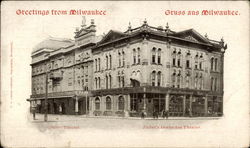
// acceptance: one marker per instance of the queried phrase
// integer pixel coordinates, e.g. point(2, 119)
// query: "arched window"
point(110, 62)
point(201, 81)
point(196, 81)
point(138, 55)
point(99, 64)
point(96, 65)
point(123, 59)
point(159, 56)
point(215, 84)
point(159, 78)
point(122, 81)
point(215, 64)
point(119, 59)
point(107, 62)
point(134, 56)
point(121, 103)
point(108, 103)
point(107, 82)
point(212, 64)
point(96, 83)
point(179, 80)
point(153, 78)
point(97, 103)
point(173, 78)
point(153, 55)
point(110, 81)
point(212, 83)
point(99, 82)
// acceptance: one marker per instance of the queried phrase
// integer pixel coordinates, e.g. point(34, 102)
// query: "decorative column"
point(167, 102)
point(205, 105)
point(128, 103)
point(184, 104)
point(190, 105)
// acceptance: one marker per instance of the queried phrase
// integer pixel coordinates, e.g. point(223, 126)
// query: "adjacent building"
point(144, 69)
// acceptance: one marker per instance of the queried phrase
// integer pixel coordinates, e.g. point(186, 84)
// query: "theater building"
point(147, 68)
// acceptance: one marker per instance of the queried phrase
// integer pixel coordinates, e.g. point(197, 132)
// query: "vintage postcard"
point(125, 74)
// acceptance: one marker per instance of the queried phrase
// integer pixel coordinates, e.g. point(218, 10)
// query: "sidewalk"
point(63, 118)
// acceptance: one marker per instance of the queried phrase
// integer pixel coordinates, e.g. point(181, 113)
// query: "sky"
point(25, 31)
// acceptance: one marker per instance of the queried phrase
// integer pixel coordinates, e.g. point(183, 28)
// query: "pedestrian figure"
point(60, 109)
point(190, 112)
point(33, 109)
point(142, 115)
point(154, 114)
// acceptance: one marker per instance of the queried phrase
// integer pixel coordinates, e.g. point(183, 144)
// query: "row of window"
point(108, 103)
point(136, 56)
point(156, 76)
point(156, 53)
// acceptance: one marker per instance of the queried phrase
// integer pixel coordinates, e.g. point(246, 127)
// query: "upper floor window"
point(138, 55)
point(153, 55)
point(110, 62)
point(134, 56)
point(159, 56)
point(110, 81)
point(212, 63)
point(96, 65)
point(159, 78)
point(107, 81)
point(123, 58)
point(99, 82)
point(119, 59)
point(153, 78)
point(99, 64)
point(107, 62)
point(215, 64)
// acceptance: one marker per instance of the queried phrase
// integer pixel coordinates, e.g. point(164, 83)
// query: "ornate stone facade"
point(145, 69)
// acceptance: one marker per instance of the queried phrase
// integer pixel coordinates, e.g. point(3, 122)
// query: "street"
point(112, 123)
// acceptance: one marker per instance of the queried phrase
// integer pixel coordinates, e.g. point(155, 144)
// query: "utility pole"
point(46, 97)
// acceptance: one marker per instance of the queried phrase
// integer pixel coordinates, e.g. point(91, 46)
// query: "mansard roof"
point(52, 44)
